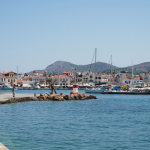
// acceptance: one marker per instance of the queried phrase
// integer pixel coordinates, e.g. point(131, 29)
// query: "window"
point(14, 80)
point(8, 80)
point(61, 79)
point(4, 79)
point(66, 79)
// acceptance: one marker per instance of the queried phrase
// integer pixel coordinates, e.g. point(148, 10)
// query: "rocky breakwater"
point(48, 97)
point(62, 97)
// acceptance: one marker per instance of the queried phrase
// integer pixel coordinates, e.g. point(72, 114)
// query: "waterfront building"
point(62, 80)
point(2, 79)
point(134, 81)
point(20, 77)
point(145, 77)
point(39, 79)
point(11, 77)
point(101, 79)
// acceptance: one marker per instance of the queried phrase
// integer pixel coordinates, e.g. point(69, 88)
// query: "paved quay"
point(7, 96)
point(2, 147)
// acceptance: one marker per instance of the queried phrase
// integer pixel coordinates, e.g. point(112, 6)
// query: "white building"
point(134, 81)
point(2, 79)
point(39, 79)
point(20, 77)
point(62, 80)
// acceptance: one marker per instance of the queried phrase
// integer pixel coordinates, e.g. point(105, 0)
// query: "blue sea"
point(111, 122)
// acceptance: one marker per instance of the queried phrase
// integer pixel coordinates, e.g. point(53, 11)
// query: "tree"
point(25, 74)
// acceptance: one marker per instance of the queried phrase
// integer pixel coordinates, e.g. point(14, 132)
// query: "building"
point(145, 77)
point(11, 77)
point(39, 79)
point(35, 73)
point(134, 81)
point(2, 79)
point(62, 80)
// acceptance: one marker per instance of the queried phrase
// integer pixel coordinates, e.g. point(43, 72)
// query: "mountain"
point(145, 66)
point(63, 66)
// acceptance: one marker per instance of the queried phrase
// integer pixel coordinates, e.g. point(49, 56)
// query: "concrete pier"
point(2, 147)
point(6, 98)
point(126, 92)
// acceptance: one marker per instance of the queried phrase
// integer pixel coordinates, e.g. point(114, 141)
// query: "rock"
point(85, 95)
point(73, 92)
point(92, 97)
point(66, 97)
point(42, 97)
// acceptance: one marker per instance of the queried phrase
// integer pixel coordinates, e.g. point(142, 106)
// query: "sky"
point(37, 33)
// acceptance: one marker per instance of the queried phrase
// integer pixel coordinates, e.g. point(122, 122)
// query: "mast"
point(132, 74)
point(17, 73)
point(95, 64)
point(111, 68)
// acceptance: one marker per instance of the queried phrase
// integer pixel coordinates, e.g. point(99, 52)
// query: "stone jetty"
point(7, 97)
point(62, 97)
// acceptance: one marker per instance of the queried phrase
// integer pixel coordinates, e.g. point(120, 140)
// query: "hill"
point(145, 66)
point(63, 66)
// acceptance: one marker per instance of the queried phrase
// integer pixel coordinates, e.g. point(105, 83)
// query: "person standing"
point(13, 90)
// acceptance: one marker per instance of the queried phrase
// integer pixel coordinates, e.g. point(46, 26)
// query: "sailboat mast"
point(132, 72)
point(95, 64)
point(111, 65)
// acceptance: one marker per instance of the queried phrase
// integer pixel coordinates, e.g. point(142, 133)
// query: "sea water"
point(111, 122)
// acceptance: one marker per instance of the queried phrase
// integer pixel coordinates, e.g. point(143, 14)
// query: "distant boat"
point(6, 87)
point(37, 87)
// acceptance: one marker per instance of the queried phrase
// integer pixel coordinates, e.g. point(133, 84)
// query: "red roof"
point(137, 78)
point(126, 79)
point(60, 76)
point(7, 72)
point(38, 76)
point(1, 75)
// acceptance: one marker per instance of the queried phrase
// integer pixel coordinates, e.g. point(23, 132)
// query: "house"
point(25, 80)
point(62, 80)
point(2, 79)
point(39, 79)
point(128, 81)
point(35, 73)
point(145, 77)
point(11, 77)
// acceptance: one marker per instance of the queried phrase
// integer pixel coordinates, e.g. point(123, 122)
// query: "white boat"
point(6, 87)
point(26, 87)
point(97, 90)
point(37, 87)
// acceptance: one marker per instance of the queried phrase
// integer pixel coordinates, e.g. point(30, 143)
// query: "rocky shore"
point(46, 97)
point(62, 97)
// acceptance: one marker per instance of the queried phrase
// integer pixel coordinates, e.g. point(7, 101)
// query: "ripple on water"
point(110, 122)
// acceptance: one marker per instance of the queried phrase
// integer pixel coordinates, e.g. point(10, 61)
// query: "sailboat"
point(96, 89)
